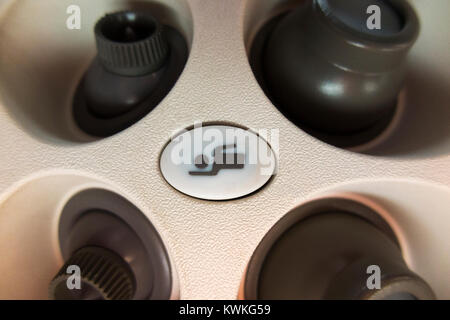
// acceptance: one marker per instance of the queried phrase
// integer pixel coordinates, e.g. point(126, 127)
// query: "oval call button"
point(218, 162)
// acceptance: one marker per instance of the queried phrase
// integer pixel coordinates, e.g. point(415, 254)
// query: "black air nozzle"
point(130, 43)
point(334, 67)
point(138, 62)
point(332, 249)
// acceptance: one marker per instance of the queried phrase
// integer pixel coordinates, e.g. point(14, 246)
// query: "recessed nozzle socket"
point(112, 248)
point(331, 249)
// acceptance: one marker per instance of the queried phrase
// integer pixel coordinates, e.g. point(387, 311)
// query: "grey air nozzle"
point(131, 43)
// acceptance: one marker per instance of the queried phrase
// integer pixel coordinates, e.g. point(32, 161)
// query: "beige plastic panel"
point(211, 242)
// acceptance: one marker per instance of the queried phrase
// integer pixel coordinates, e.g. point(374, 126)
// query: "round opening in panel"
point(85, 242)
point(349, 72)
point(331, 248)
point(94, 68)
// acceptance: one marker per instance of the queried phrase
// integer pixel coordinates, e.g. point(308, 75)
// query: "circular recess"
point(49, 238)
point(337, 82)
point(323, 250)
point(42, 64)
point(101, 218)
point(218, 162)
point(413, 123)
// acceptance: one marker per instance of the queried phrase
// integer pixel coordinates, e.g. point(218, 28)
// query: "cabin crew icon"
point(217, 162)
point(222, 160)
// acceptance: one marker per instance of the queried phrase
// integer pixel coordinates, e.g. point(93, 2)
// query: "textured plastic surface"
point(210, 242)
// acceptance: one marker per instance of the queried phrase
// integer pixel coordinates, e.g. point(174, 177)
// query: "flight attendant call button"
point(218, 162)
